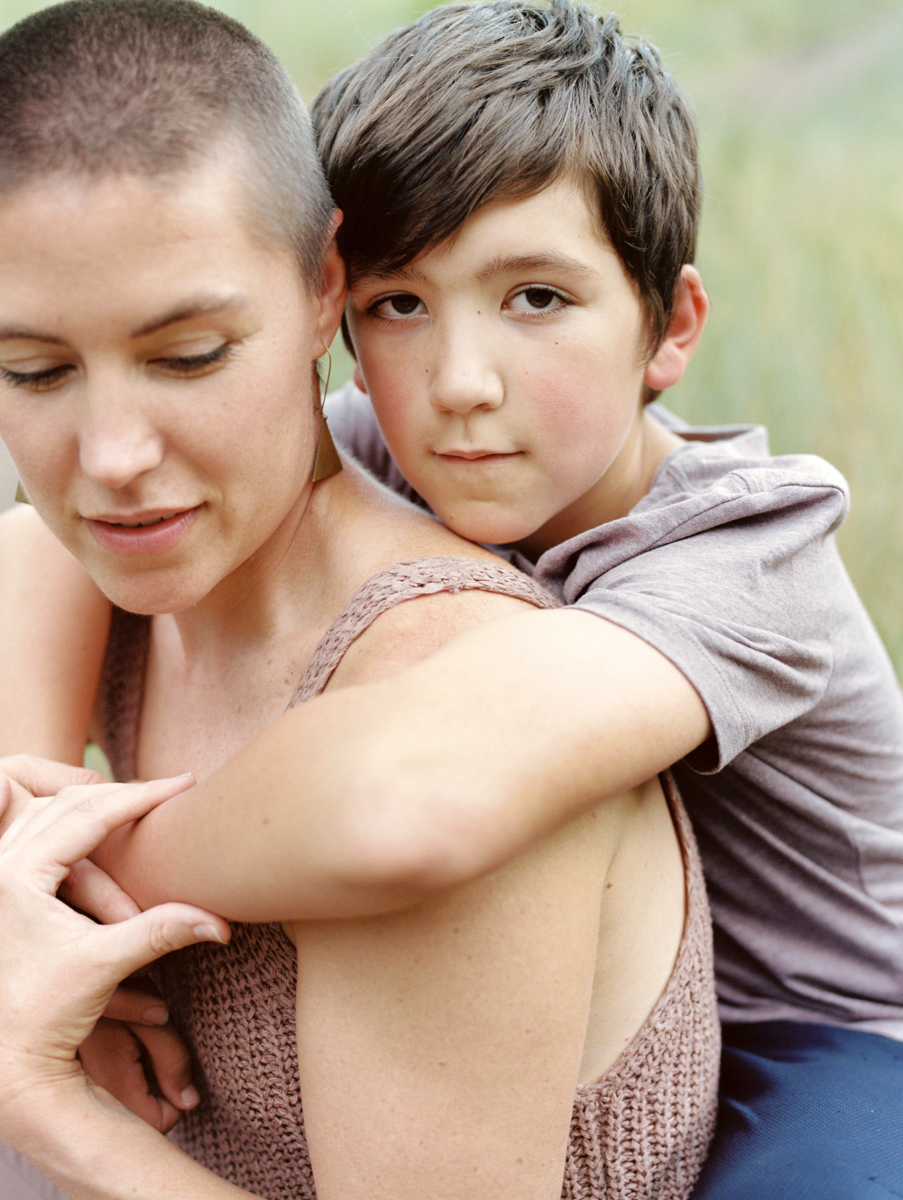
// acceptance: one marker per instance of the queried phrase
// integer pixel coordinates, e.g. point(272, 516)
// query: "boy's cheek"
point(358, 379)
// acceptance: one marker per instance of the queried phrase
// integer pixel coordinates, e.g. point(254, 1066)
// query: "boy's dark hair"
point(497, 100)
point(151, 87)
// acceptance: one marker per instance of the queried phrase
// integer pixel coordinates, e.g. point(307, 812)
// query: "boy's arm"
point(382, 794)
point(390, 791)
point(54, 624)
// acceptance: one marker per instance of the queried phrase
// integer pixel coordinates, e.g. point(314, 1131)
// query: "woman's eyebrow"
point(19, 333)
point(196, 306)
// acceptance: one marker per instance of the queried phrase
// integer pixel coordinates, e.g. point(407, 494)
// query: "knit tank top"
point(641, 1132)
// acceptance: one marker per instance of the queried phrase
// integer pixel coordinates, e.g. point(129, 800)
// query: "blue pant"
point(807, 1112)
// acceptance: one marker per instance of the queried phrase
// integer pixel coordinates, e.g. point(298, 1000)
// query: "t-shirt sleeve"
point(734, 586)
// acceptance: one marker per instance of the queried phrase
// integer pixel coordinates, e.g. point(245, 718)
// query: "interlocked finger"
point(90, 889)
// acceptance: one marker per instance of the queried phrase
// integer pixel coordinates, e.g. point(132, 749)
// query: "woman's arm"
point(57, 972)
point(53, 632)
point(90, 1151)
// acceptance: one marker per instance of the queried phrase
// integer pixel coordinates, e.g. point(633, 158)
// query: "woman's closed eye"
point(37, 381)
point(187, 365)
point(537, 298)
point(193, 364)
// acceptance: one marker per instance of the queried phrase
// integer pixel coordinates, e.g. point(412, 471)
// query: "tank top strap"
point(406, 581)
point(122, 685)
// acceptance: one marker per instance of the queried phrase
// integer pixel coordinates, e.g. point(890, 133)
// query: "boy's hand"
point(146, 1068)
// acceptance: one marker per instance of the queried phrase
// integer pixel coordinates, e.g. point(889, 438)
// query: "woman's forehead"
point(189, 234)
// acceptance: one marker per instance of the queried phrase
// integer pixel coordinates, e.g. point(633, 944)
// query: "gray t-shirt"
point(728, 566)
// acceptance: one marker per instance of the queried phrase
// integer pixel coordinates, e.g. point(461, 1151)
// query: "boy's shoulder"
point(721, 486)
point(733, 456)
point(723, 481)
point(727, 566)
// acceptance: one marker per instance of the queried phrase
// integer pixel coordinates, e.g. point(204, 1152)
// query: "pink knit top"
point(641, 1132)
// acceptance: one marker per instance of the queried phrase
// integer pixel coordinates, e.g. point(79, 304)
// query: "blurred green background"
point(801, 112)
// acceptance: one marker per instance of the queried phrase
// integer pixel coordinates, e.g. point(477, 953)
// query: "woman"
point(167, 287)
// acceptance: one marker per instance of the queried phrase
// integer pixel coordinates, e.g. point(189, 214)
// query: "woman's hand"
point(24, 777)
point(27, 784)
point(58, 969)
point(136, 1053)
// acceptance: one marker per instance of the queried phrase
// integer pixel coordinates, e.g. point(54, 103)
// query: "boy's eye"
point(37, 381)
point(193, 364)
point(401, 304)
point(537, 299)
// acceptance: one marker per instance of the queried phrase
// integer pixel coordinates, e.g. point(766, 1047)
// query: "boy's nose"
point(465, 376)
point(117, 441)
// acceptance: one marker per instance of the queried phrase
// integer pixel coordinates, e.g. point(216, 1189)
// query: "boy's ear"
point(333, 290)
point(691, 307)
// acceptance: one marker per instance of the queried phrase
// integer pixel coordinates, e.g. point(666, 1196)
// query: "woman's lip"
point(134, 539)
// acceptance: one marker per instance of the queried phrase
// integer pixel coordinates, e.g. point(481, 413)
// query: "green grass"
point(800, 248)
point(802, 121)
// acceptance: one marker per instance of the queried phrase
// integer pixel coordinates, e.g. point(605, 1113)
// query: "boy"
point(499, 140)
point(520, 197)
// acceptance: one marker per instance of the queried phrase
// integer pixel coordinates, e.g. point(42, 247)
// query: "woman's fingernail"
point(157, 1014)
point(209, 933)
point(190, 1097)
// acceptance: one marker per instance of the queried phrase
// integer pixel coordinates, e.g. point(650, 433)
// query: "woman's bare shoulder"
point(388, 528)
point(414, 629)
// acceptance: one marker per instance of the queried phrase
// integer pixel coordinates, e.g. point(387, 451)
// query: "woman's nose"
point(117, 441)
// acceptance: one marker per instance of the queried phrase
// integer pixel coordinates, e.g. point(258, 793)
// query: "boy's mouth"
point(477, 455)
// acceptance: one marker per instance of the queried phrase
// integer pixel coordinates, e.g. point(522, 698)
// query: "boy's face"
point(506, 370)
point(156, 372)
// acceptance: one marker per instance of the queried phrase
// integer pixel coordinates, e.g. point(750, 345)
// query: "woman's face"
point(156, 378)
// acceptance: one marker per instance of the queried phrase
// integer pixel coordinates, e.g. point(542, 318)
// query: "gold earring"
point(21, 498)
point(326, 461)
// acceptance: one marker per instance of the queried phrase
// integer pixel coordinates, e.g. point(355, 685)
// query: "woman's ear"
point(691, 307)
point(333, 290)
